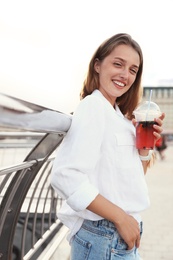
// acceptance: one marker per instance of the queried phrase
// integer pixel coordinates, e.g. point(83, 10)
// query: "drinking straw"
point(148, 108)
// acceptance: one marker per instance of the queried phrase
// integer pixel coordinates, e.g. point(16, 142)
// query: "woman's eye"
point(134, 71)
point(117, 64)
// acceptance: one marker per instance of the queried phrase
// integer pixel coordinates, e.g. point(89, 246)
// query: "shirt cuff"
point(81, 199)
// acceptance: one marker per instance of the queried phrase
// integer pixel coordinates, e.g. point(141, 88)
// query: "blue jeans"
point(99, 240)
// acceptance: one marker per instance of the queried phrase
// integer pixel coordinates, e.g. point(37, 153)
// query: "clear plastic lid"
point(147, 111)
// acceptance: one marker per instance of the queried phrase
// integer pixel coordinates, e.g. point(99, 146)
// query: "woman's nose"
point(124, 73)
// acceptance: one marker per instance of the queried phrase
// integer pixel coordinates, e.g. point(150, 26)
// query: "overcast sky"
point(45, 46)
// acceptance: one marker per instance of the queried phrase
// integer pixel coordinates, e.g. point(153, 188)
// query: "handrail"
point(26, 116)
point(19, 135)
point(21, 166)
point(17, 167)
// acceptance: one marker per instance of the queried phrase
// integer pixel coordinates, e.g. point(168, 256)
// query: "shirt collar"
point(96, 92)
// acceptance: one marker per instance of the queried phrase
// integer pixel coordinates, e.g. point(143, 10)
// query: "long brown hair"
point(129, 100)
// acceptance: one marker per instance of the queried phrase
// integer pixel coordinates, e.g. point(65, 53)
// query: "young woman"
point(98, 170)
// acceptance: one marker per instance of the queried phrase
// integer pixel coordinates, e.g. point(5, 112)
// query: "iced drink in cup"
point(145, 115)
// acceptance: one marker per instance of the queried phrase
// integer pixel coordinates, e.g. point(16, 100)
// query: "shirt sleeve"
point(78, 155)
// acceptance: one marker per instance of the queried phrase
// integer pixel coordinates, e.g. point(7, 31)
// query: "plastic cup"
point(145, 115)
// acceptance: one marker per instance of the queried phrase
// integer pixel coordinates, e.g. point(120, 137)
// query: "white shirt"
point(98, 156)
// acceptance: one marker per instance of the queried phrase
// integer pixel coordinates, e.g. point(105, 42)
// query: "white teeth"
point(119, 83)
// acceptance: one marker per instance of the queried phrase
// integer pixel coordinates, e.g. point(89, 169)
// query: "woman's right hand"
point(128, 229)
point(126, 225)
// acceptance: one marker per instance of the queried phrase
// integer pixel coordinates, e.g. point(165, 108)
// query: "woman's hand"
point(129, 230)
point(126, 225)
point(158, 127)
point(157, 135)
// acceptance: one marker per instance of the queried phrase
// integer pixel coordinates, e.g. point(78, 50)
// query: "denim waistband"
point(104, 222)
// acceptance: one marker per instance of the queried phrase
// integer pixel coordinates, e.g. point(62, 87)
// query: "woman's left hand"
point(158, 127)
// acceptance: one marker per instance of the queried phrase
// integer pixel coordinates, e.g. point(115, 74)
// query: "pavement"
point(157, 238)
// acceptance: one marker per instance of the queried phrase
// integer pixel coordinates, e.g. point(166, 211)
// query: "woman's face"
point(117, 72)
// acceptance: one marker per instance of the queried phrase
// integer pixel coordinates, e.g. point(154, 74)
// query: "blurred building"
point(163, 96)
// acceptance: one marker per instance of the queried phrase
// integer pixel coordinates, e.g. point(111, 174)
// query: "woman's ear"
point(97, 65)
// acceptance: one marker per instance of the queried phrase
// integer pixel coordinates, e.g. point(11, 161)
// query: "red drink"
point(144, 135)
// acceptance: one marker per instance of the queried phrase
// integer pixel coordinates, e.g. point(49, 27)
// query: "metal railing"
point(28, 204)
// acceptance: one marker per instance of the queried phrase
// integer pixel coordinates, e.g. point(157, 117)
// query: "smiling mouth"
point(120, 84)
